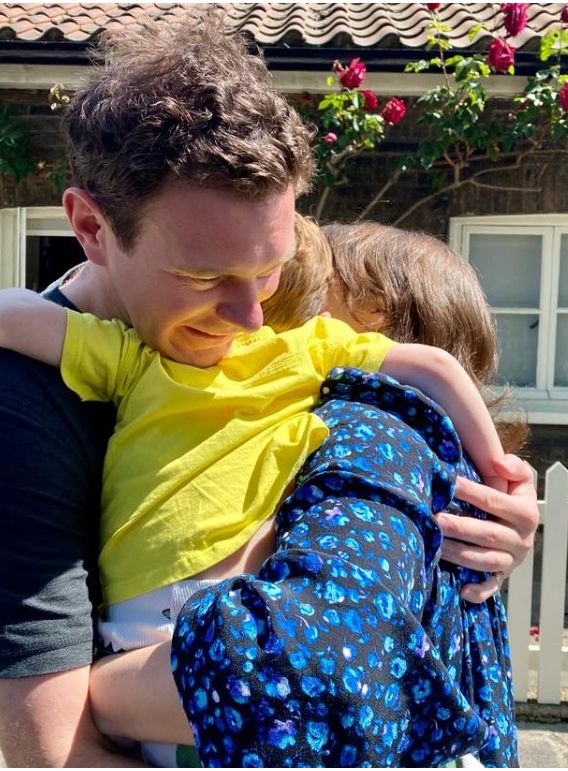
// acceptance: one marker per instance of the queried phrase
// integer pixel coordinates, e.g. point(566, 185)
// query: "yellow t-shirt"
point(200, 457)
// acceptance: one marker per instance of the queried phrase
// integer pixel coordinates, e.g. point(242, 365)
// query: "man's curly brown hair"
point(181, 100)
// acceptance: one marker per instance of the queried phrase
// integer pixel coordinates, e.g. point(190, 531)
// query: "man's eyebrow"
point(211, 273)
point(196, 272)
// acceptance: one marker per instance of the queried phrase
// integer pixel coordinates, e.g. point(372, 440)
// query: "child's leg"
point(322, 660)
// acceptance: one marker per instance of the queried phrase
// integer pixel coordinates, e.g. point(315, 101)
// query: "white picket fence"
point(548, 656)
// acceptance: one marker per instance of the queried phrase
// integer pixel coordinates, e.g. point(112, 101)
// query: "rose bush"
point(464, 136)
point(348, 123)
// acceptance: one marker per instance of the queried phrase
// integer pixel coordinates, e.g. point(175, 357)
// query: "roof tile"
point(317, 24)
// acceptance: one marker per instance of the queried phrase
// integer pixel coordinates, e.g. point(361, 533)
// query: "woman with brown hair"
point(415, 289)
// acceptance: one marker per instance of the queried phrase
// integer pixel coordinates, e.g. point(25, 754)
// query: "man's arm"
point(45, 722)
point(51, 453)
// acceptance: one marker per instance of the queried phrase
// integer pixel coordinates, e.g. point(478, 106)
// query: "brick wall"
point(541, 182)
point(47, 144)
point(365, 175)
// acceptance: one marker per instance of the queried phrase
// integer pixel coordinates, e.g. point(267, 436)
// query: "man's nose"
point(243, 310)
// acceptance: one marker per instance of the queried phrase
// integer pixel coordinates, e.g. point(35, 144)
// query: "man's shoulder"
point(34, 394)
point(34, 389)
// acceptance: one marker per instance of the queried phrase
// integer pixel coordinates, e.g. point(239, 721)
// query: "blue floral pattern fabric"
point(352, 648)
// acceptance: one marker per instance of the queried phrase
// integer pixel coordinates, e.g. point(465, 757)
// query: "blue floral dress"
point(352, 648)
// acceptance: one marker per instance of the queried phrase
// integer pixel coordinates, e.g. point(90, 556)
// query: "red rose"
point(330, 138)
point(563, 97)
point(394, 111)
point(515, 17)
point(354, 75)
point(371, 101)
point(564, 15)
point(433, 6)
point(501, 55)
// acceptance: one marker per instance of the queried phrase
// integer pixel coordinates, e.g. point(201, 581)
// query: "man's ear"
point(88, 223)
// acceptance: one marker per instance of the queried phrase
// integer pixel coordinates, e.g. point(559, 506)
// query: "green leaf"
point(474, 32)
point(330, 81)
point(462, 70)
point(419, 66)
point(325, 103)
point(440, 27)
point(554, 42)
point(432, 41)
point(357, 99)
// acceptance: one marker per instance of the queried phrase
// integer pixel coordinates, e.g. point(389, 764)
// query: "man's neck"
point(89, 290)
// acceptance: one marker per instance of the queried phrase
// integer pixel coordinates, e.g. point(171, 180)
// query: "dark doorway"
point(48, 257)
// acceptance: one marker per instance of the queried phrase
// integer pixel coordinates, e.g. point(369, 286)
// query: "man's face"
point(203, 262)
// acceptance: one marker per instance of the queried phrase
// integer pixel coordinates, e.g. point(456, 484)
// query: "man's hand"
point(45, 722)
point(499, 544)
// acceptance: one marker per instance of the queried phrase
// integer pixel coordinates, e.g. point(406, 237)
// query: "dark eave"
point(289, 58)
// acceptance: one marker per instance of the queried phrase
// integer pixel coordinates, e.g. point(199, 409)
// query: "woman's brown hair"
point(415, 289)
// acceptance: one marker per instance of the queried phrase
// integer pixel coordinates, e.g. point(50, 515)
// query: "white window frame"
point(15, 226)
point(545, 403)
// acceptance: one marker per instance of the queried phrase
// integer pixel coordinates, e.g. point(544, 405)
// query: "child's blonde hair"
point(304, 284)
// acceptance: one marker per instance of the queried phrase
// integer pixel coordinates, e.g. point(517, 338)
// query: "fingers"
point(518, 507)
point(480, 592)
point(499, 544)
point(480, 540)
point(486, 533)
point(514, 469)
point(478, 557)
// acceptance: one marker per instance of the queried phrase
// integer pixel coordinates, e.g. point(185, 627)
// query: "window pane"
point(517, 338)
point(509, 267)
point(563, 288)
point(561, 363)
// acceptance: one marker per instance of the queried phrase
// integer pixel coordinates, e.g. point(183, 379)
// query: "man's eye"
point(203, 283)
point(270, 272)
